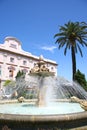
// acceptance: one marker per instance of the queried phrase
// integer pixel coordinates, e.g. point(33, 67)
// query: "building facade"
point(13, 58)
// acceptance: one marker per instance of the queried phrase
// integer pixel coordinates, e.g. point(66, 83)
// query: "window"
point(12, 59)
point(13, 46)
point(10, 73)
point(24, 62)
point(11, 70)
point(52, 68)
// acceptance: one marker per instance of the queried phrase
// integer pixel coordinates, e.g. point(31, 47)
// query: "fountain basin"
point(31, 108)
point(40, 114)
point(47, 121)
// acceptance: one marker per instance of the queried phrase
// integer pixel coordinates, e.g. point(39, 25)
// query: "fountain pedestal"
point(41, 97)
point(41, 70)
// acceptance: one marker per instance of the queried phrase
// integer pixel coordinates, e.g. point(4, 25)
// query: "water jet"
point(52, 109)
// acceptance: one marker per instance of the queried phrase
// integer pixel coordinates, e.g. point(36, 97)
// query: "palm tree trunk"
point(73, 63)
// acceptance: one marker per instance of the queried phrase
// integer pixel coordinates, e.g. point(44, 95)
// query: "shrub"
point(80, 78)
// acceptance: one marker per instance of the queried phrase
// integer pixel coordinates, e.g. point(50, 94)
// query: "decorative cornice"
point(11, 64)
point(24, 67)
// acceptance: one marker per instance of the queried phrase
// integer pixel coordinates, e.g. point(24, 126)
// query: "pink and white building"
point(13, 58)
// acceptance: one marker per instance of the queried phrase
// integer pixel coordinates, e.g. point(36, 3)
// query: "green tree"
point(20, 74)
point(80, 78)
point(72, 36)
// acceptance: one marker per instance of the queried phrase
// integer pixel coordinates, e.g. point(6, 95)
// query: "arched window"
point(11, 71)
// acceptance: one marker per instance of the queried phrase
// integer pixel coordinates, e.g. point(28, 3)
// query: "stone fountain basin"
point(41, 122)
point(47, 122)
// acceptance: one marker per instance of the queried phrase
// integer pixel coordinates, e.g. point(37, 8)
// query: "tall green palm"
point(72, 36)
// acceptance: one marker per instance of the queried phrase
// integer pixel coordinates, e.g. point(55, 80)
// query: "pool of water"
point(30, 109)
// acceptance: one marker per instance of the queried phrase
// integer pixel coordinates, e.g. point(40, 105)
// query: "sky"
point(35, 22)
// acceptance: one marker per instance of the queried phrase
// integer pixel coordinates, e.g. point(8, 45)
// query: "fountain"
point(55, 105)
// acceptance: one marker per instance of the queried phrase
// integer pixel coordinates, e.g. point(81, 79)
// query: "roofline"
point(31, 56)
point(12, 38)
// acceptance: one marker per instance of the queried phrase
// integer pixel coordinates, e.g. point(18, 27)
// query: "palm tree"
point(72, 36)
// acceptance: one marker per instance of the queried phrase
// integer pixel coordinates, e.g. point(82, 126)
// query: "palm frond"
point(65, 50)
point(85, 43)
point(80, 50)
point(75, 48)
point(67, 47)
point(72, 32)
point(60, 34)
point(61, 45)
point(62, 28)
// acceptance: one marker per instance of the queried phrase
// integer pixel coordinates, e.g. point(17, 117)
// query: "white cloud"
point(51, 48)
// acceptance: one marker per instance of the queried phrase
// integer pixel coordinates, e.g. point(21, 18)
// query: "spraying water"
point(48, 88)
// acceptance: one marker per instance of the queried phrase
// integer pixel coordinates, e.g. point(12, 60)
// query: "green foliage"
point(31, 96)
point(23, 94)
point(72, 34)
point(7, 82)
point(27, 94)
point(20, 74)
point(80, 78)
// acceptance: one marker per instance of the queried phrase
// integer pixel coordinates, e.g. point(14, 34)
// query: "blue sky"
point(35, 22)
